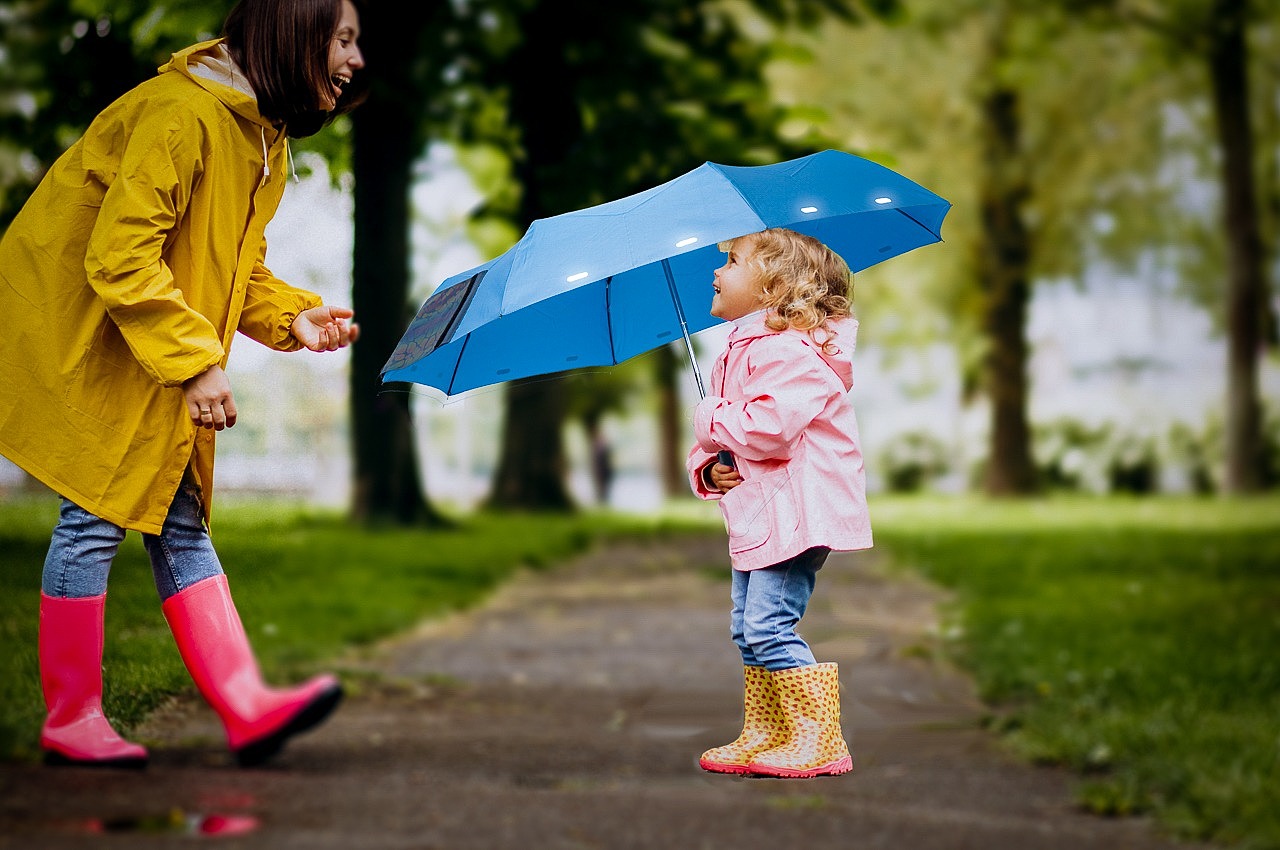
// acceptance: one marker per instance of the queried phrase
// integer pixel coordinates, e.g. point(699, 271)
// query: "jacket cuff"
point(698, 465)
point(703, 416)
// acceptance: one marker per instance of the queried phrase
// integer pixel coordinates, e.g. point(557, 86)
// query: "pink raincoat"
point(782, 408)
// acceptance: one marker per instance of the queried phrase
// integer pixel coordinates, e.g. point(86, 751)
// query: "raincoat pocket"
point(103, 383)
point(760, 509)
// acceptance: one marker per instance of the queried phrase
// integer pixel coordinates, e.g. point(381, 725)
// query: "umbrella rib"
point(922, 225)
point(608, 317)
point(462, 306)
point(457, 364)
point(745, 200)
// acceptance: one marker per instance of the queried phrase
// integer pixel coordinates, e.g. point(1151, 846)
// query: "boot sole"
point(259, 751)
point(56, 759)
point(835, 768)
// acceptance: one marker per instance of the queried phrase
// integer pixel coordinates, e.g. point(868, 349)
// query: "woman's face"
point(344, 55)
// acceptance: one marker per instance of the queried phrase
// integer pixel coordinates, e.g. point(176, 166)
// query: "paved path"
point(569, 712)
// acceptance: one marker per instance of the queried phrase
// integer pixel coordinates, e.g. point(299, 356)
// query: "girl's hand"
point(325, 328)
point(725, 478)
point(209, 400)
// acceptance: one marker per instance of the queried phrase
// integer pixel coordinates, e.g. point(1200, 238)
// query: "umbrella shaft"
point(684, 328)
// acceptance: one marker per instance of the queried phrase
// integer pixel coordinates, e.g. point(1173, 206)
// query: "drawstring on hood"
point(288, 151)
point(266, 169)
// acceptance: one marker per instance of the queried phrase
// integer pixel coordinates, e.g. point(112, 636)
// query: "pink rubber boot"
point(70, 646)
point(215, 648)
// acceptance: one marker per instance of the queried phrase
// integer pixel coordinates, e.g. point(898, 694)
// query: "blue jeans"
point(84, 546)
point(767, 606)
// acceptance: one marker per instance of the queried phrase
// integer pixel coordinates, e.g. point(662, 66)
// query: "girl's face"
point(344, 55)
point(737, 288)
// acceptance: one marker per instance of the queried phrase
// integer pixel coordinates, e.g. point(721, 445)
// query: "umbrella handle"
point(726, 458)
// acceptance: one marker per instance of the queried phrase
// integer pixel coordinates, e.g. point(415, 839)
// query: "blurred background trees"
point(1118, 135)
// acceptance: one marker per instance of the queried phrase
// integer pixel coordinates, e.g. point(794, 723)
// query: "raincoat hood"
point(210, 66)
point(837, 353)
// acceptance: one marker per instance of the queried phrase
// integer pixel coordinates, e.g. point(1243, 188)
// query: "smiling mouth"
point(340, 82)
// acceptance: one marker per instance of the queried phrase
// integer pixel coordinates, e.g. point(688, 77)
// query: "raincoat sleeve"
point(697, 462)
point(784, 388)
point(271, 305)
point(146, 198)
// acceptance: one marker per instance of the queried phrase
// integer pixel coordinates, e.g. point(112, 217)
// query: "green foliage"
point(912, 461)
point(1133, 641)
point(1075, 456)
point(308, 586)
point(553, 85)
point(1200, 451)
point(921, 78)
point(66, 60)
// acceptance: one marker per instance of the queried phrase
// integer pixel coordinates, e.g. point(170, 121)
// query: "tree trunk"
point(1003, 264)
point(1228, 64)
point(531, 468)
point(387, 486)
point(531, 465)
point(671, 453)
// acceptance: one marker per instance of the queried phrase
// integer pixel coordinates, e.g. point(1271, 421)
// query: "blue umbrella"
point(603, 284)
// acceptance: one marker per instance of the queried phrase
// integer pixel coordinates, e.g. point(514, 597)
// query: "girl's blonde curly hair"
point(803, 282)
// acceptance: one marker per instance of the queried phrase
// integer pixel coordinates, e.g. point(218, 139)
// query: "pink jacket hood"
point(781, 406)
point(838, 353)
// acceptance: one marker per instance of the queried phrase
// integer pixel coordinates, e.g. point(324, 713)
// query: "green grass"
point(308, 585)
point(1135, 641)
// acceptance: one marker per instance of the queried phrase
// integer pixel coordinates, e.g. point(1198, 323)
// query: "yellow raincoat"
point(128, 271)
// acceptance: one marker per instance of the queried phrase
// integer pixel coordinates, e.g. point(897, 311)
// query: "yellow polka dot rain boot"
point(810, 700)
point(763, 725)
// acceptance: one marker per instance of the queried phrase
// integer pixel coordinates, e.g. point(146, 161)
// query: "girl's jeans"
point(84, 546)
point(767, 606)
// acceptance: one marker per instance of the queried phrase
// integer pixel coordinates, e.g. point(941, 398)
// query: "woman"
point(124, 279)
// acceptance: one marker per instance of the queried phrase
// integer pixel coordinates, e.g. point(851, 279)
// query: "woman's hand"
point(725, 477)
point(209, 400)
point(325, 328)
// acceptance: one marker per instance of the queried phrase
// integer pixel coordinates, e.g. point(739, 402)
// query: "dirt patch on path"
point(569, 712)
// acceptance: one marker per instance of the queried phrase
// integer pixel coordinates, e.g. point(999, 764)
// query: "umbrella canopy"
point(603, 284)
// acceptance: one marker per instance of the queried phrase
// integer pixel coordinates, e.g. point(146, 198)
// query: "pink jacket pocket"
point(760, 510)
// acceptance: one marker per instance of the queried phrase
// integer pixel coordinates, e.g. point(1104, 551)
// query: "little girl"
point(794, 491)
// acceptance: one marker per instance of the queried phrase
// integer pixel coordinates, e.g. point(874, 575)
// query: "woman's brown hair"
point(282, 46)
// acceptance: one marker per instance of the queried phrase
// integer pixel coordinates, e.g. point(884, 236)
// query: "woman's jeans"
point(84, 546)
point(767, 606)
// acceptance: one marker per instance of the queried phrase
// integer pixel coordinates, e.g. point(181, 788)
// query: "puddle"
point(176, 822)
